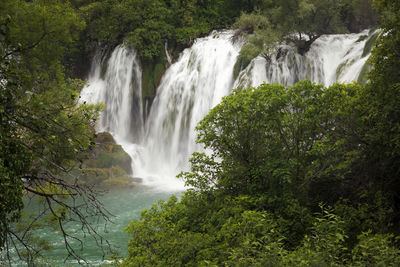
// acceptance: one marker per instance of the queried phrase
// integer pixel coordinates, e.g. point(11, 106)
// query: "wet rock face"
point(108, 154)
point(105, 138)
point(108, 164)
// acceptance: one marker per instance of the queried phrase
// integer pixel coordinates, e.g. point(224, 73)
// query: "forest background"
point(314, 180)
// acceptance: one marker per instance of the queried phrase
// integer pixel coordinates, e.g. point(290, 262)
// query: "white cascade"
point(196, 82)
point(119, 89)
point(331, 58)
point(191, 86)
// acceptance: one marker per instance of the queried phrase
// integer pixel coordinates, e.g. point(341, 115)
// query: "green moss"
point(152, 74)
point(94, 175)
point(241, 63)
point(361, 38)
point(103, 70)
point(246, 55)
point(105, 137)
point(372, 30)
point(107, 160)
point(104, 176)
point(105, 147)
point(340, 69)
point(362, 78)
point(108, 154)
point(369, 44)
point(118, 182)
point(118, 171)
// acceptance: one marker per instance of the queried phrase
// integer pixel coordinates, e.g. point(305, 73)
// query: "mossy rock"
point(340, 69)
point(362, 38)
point(108, 165)
point(153, 70)
point(99, 175)
point(105, 137)
point(370, 42)
point(108, 154)
point(241, 63)
point(363, 76)
point(105, 147)
point(94, 175)
point(109, 160)
point(117, 182)
point(246, 55)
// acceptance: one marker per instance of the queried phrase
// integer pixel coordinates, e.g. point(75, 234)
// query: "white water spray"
point(331, 58)
point(120, 90)
point(189, 89)
point(194, 84)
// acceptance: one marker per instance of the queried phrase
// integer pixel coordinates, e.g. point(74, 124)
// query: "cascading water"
point(120, 90)
point(189, 89)
point(331, 58)
point(196, 82)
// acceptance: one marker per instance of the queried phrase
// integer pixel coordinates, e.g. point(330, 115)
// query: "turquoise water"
point(125, 204)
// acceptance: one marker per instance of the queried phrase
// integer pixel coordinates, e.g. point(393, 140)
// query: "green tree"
point(269, 138)
point(302, 21)
point(359, 15)
point(274, 154)
point(44, 133)
point(380, 107)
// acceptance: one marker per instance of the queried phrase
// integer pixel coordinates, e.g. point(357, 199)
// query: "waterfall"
point(189, 89)
point(161, 146)
point(119, 89)
point(331, 58)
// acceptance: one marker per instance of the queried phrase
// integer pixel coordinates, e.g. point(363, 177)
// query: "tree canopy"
point(300, 23)
point(147, 24)
point(276, 152)
point(293, 175)
point(44, 133)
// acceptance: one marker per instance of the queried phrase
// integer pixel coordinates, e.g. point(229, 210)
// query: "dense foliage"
point(278, 152)
point(296, 176)
point(42, 130)
point(148, 24)
point(299, 23)
point(152, 26)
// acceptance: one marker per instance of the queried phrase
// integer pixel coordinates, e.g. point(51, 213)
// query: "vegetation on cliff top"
point(264, 198)
point(299, 23)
